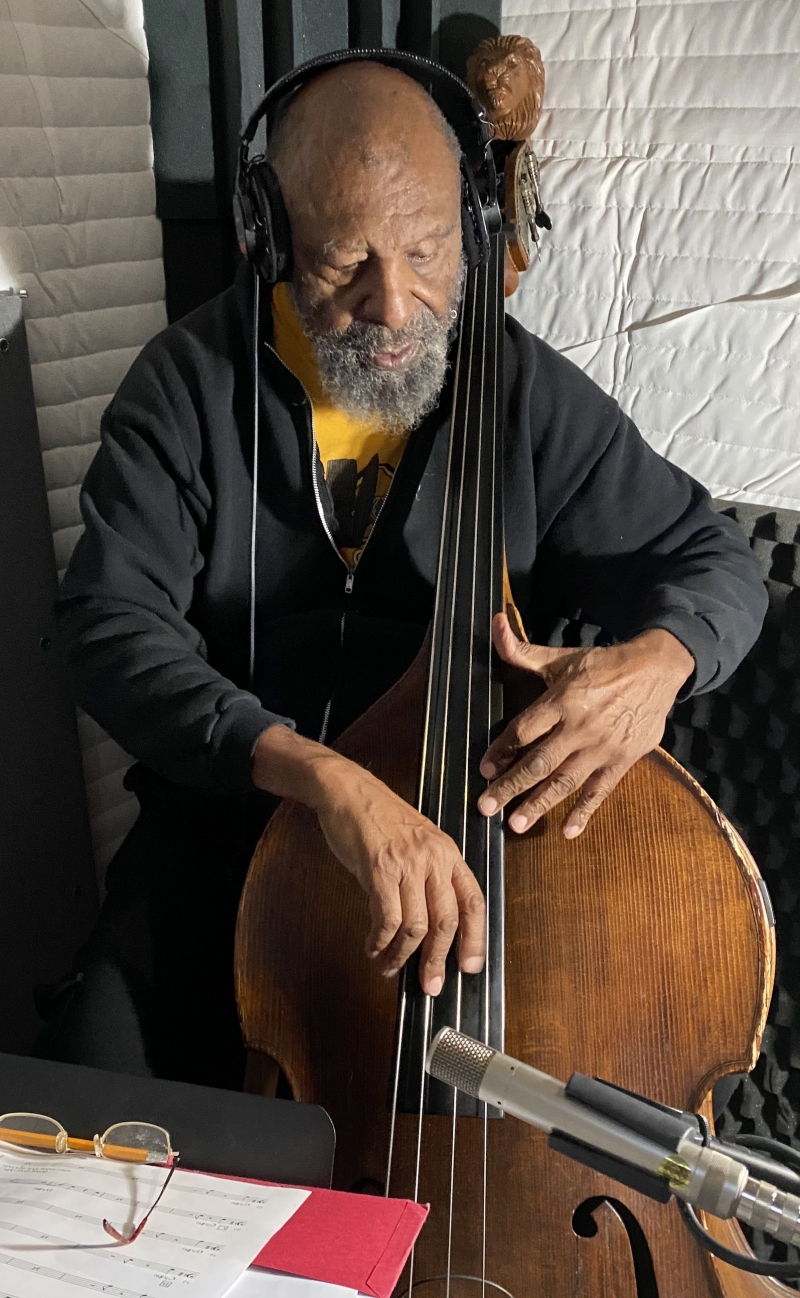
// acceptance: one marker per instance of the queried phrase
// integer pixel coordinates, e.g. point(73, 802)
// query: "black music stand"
point(214, 1130)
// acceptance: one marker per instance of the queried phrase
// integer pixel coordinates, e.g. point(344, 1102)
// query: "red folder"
point(360, 1241)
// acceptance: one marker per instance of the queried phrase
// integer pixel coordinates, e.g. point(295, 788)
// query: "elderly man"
point(354, 401)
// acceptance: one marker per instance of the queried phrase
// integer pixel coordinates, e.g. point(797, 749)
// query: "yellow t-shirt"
point(359, 457)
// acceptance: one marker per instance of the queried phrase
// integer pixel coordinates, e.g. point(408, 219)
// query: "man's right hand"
point(419, 887)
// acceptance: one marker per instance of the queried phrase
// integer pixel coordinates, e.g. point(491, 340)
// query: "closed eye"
point(348, 269)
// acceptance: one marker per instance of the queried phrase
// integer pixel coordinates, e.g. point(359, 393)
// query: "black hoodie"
point(155, 604)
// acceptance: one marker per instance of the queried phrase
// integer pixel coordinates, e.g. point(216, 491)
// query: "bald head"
point(360, 109)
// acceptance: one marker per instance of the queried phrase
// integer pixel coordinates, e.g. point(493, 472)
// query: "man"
point(354, 393)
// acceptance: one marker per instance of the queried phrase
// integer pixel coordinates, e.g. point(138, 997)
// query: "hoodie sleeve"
point(630, 539)
point(138, 665)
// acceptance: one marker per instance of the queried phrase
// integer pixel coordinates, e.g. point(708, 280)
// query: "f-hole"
point(584, 1224)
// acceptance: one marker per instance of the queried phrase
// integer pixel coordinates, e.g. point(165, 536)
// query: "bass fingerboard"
point(464, 700)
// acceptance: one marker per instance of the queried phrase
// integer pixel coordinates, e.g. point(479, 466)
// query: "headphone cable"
point(254, 495)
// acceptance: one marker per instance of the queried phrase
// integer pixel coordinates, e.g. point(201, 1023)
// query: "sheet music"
point(198, 1241)
point(270, 1284)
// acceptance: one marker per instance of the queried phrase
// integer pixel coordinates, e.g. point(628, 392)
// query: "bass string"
point(401, 1019)
point(489, 324)
point(467, 326)
point(462, 543)
point(476, 450)
point(456, 551)
point(494, 316)
point(453, 1159)
point(491, 301)
point(403, 996)
point(498, 324)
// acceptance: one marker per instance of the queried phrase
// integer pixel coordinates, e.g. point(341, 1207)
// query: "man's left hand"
point(602, 710)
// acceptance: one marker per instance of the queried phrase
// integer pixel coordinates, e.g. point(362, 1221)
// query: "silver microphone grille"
point(458, 1060)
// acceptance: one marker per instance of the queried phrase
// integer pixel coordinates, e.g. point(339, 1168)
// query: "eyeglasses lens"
point(136, 1142)
point(32, 1132)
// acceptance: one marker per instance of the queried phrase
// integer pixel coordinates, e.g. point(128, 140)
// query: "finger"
point(530, 657)
point(412, 927)
point(534, 765)
point(442, 928)
point(386, 913)
point(569, 776)
point(472, 920)
point(595, 791)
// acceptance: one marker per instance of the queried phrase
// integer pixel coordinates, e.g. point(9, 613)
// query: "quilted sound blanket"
point(672, 275)
point(78, 231)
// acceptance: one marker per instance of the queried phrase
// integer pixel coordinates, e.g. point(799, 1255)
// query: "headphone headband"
point(261, 222)
point(454, 99)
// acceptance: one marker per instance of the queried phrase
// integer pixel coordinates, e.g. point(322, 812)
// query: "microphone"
point(647, 1146)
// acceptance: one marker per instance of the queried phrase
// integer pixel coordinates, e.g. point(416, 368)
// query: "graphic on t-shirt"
point(358, 496)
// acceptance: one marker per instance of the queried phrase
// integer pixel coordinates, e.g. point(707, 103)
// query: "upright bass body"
point(640, 952)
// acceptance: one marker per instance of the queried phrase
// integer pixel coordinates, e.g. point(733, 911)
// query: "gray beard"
point(398, 398)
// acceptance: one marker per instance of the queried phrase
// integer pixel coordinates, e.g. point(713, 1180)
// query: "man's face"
point(378, 273)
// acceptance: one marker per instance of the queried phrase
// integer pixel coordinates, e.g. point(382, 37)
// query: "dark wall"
point(198, 259)
point(49, 896)
point(210, 63)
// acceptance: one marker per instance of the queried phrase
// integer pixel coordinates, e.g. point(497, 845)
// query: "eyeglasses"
point(126, 1142)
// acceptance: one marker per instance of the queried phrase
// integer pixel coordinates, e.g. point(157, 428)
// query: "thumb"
point(530, 657)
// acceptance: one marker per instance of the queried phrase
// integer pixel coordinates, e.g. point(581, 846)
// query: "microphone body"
point(654, 1149)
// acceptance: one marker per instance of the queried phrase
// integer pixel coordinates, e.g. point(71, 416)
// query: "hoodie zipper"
point(350, 572)
point(348, 581)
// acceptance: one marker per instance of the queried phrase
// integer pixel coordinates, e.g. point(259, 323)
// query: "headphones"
point(262, 223)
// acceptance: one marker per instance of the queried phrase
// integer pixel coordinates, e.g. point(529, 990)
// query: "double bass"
point(641, 952)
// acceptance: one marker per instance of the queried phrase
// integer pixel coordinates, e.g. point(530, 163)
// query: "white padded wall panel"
point(672, 274)
point(78, 231)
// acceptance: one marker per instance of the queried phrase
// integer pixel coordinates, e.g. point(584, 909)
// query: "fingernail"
point(488, 806)
point(518, 823)
point(390, 973)
point(472, 964)
point(488, 770)
point(572, 831)
point(435, 986)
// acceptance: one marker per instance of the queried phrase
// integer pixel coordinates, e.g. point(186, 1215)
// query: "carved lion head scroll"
point(506, 75)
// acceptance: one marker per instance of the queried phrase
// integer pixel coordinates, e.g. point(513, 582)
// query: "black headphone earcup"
point(474, 234)
point(469, 239)
point(274, 256)
point(243, 221)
